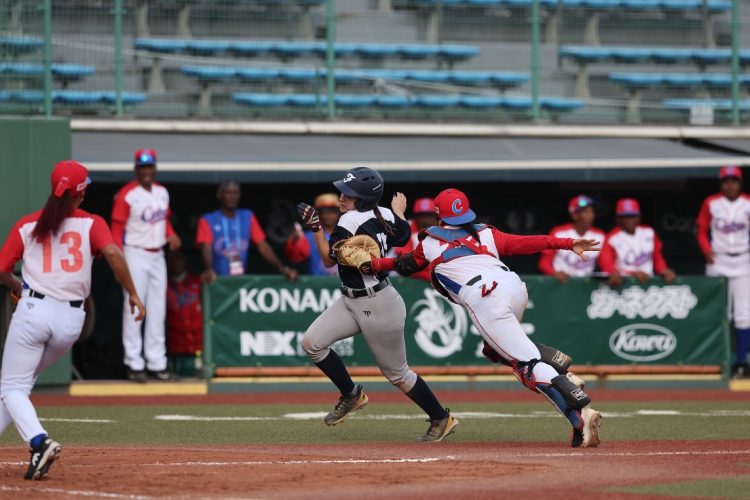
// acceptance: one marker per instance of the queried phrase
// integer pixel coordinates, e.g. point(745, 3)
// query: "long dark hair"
point(391, 230)
point(53, 214)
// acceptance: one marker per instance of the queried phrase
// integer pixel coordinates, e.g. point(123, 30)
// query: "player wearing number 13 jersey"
point(57, 245)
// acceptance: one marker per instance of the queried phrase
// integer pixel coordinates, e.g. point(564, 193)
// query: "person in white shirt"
point(724, 238)
point(141, 227)
point(562, 264)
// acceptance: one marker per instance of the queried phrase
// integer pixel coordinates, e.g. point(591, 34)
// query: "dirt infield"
point(366, 471)
point(394, 396)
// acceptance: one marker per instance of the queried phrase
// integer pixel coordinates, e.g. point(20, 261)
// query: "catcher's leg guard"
point(556, 398)
point(554, 357)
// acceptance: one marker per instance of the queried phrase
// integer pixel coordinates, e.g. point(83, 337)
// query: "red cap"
point(731, 171)
point(424, 206)
point(453, 207)
point(579, 203)
point(69, 175)
point(627, 206)
point(145, 157)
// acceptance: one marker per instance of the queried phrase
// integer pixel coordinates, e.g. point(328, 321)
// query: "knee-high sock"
point(335, 370)
point(743, 344)
point(425, 399)
point(573, 416)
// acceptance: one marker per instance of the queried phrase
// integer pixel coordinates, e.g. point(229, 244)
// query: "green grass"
point(729, 487)
point(137, 425)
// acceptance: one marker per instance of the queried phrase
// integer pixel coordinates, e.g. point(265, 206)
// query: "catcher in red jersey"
point(464, 262)
point(57, 245)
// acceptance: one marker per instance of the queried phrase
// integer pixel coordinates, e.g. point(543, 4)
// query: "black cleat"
point(42, 458)
point(345, 406)
point(577, 440)
point(740, 370)
point(163, 375)
point(137, 376)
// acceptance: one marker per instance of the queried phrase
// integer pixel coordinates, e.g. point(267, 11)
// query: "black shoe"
point(163, 375)
point(577, 440)
point(345, 406)
point(42, 457)
point(741, 370)
point(137, 376)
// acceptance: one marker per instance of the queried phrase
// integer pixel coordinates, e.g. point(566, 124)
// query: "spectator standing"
point(300, 248)
point(225, 237)
point(562, 264)
point(184, 316)
point(633, 249)
point(724, 238)
point(141, 227)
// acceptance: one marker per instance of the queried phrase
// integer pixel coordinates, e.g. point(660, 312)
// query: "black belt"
point(36, 295)
point(478, 277)
point(735, 254)
point(356, 293)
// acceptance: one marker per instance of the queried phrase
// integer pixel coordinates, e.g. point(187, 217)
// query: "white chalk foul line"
point(310, 462)
point(629, 453)
point(74, 493)
point(80, 420)
point(466, 415)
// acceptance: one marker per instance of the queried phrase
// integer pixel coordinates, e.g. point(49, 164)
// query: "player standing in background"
point(300, 247)
point(368, 304)
point(225, 235)
point(141, 227)
point(57, 245)
point(424, 217)
point(726, 216)
point(464, 262)
point(184, 316)
point(562, 264)
point(633, 249)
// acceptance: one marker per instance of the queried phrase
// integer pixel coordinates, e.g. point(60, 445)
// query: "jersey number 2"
point(70, 265)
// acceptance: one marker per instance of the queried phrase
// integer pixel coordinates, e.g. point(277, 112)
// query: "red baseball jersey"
point(60, 265)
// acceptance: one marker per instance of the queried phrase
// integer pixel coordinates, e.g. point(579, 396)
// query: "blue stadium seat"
point(719, 104)
point(4, 95)
point(719, 5)
point(72, 71)
point(720, 80)
point(375, 50)
point(287, 50)
point(682, 80)
point(671, 56)
point(640, 4)
point(712, 56)
point(354, 101)
point(61, 71)
point(300, 75)
point(559, 104)
point(455, 53)
point(636, 79)
point(385, 74)
point(340, 50)
point(417, 52)
point(585, 54)
point(265, 100)
point(428, 76)
point(516, 103)
point(76, 97)
point(680, 4)
point(160, 46)
point(472, 77)
point(20, 44)
point(481, 102)
point(211, 73)
point(629, 55)
point(257, 74)
point(207, 47)
point(601, 4)
point(306, 100)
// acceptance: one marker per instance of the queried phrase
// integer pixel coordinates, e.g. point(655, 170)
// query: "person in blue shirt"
point(226, 235)
point(300, 249)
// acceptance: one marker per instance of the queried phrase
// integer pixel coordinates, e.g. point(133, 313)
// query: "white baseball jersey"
point(145, 215)
point(630, 253)
point(728, 223)
point(59, 266)
point(553, 261)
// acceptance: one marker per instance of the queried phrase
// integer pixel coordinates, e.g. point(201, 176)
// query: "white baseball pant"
point(149, 271)
point(738, 288)
point(40, 332)
point(497, 315)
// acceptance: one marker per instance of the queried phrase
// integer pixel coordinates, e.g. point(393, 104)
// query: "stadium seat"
point(76, 97)
point(717, 104)
point(17, 45)
point(64, 73)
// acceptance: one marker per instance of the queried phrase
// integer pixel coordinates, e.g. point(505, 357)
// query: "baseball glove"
point(356, 251)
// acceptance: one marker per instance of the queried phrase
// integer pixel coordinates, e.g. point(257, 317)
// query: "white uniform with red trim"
point(728, 223)
point(568, 262)
point(630, 253)
point(140, 222)
point(494, 296)
point(49, 317)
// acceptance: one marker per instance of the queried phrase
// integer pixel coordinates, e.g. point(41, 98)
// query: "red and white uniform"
point(424, 274)
point(724, 229)
point(43, 329)
point(555, 261)
point(140, 225)
point(630, 253)
point(497, 299)
point(184, 315)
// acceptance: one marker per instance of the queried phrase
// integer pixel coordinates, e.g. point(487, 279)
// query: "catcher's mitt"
point(356, 251)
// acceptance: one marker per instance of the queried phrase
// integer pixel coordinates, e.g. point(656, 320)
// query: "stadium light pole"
point(735, 62)
point(47, 58)
point(535, 40)
point(330, 58)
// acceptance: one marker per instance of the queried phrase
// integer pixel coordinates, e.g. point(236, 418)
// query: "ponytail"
point(388, 228)
point(54, 212)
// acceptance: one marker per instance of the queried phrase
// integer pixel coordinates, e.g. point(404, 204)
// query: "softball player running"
point(57, 245)
point(369, 304)
point(464, 260)
point(141, 227)
point(726, 216)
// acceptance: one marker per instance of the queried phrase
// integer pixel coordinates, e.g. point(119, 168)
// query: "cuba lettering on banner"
point(260, 321)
